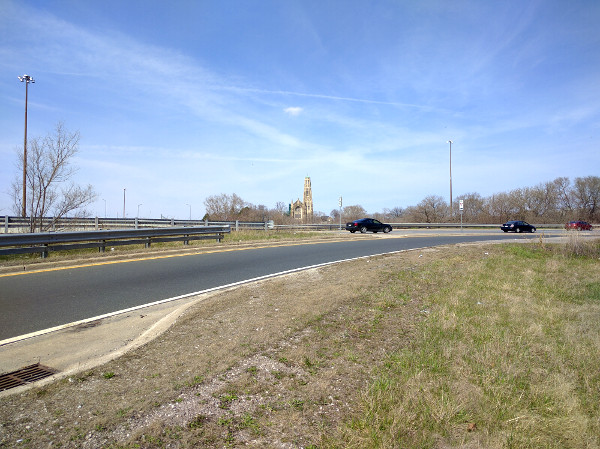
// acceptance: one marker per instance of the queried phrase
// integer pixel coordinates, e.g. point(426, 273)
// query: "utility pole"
point(450, 142)
point(25, 79)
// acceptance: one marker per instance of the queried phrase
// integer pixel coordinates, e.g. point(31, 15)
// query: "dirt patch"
point(279, 363)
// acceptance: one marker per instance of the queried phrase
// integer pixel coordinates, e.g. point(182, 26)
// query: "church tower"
point(308, 203)
point(303, 210)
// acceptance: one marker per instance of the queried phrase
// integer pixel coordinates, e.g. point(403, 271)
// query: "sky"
point(180, 100)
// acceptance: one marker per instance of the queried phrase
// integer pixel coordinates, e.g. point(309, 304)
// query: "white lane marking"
point(187, 295)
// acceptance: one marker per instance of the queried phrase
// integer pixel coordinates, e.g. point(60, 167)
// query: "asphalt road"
point(35, 301)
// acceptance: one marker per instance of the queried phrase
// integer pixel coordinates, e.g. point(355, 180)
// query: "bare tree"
point(353, 212)
point(393, 214)
point(282, 208)
point(586, 193)
point(473, 206)
point(50, 188)
point(565, 194)
point(225, 207)
point(432, 209)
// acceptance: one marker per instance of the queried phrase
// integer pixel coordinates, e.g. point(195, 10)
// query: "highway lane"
point(35, 301)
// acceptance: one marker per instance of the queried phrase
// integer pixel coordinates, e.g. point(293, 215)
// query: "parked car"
point(367, 225)
point(517, 226)
point(579, 225)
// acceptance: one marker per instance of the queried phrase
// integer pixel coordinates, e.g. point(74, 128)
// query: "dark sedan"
point(368, 225)
point(517, 226)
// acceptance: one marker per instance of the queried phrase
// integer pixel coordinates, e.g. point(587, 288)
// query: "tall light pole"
point(124, 203)
point(25, 79)
point(190, 206)
point(450, 142)
point(138, 214)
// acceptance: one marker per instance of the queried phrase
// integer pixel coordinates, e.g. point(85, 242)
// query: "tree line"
point(554, 201)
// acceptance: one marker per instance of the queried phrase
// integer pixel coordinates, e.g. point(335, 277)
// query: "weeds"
point(502, 355)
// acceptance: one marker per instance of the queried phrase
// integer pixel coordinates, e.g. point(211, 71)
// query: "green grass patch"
point(507, 357)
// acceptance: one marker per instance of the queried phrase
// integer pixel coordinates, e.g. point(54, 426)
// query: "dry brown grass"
point(466, 346)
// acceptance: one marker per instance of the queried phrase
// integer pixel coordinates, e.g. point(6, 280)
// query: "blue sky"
point(176, 101)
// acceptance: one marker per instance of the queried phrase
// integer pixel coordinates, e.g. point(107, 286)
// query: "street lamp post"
point(124, 203)
point(138, 214)
point(450, 142)
point(25, 79)
point(190, 206)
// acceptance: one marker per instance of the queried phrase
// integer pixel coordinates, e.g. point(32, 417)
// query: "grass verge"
point(493, 346)
point(507, 357)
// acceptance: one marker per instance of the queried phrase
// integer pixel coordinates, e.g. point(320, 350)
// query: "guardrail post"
point(237, 225)
point(147, 244)
point(102, 247)
point(44, 251)
point(96, 223)
point(6, 224)
point(136, 223)
point(186, 242)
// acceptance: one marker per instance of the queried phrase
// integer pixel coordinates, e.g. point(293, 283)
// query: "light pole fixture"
point(25, 79)
point(138, 214)
point(104, 207)
point(124, 203)
point(190, 206)
point(451, 212)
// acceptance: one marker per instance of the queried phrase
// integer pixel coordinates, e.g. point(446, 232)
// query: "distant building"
point(303, 210)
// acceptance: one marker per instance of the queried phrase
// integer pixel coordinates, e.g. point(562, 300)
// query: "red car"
point(579, 225)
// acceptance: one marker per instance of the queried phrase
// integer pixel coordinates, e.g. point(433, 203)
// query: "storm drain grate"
point(29, 374)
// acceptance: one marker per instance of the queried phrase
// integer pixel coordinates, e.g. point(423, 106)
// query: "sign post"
point(460, 207)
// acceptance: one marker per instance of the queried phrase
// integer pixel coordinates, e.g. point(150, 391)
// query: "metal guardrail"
point(10, 224)
point(43, 242)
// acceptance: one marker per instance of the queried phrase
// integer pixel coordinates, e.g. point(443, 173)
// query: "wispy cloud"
point(293, 110)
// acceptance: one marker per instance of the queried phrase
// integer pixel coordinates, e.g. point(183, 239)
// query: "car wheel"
point(579, 228)
point(363, 230)
point(352, 232)
point(505, 230)
point(387, 229)
point(532, 230)
point(518, 230)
